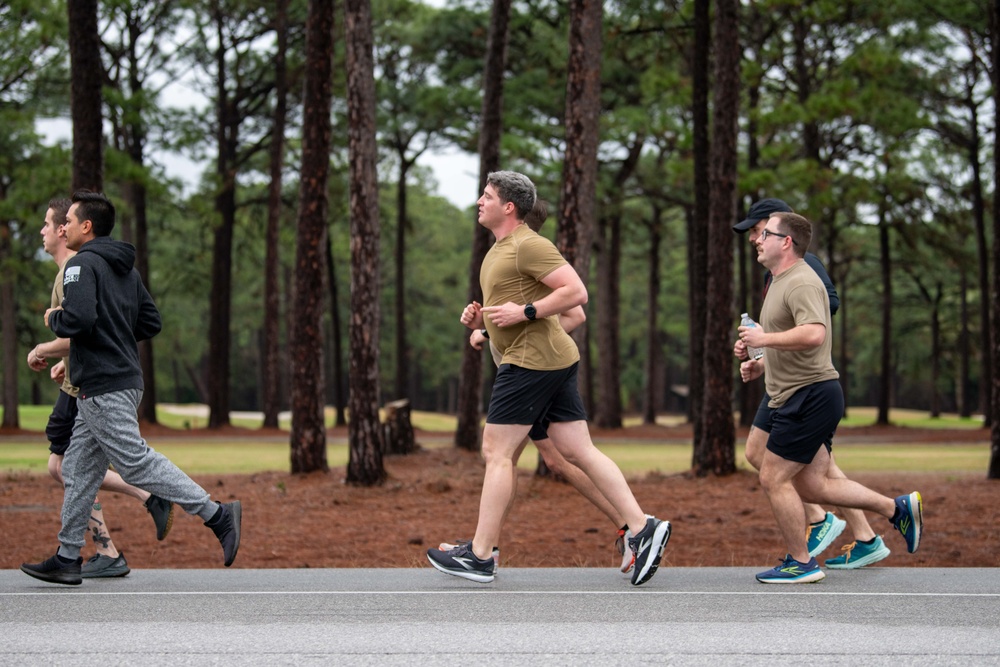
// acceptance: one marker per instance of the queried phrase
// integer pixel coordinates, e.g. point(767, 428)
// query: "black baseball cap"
point(761, 210)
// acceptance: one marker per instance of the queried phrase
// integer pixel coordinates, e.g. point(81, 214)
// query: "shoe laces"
point(847, 548)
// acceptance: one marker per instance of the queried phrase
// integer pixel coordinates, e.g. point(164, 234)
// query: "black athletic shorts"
point(806, 421)
point(530, 397)
point(59, 430)
point(539, 431)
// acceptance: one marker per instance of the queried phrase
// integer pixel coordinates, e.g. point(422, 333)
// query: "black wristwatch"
point(486, 334)
point(530, 312)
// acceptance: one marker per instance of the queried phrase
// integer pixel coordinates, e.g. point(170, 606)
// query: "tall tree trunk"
point(716, 453)
point(272, 257)
point(9, 353)
point(608, 412)
point(577, 197)
point(936, 352)
point(340, 391)
point(983, 260)
point(86, 80)
point(308, 425)
point(365, 464)
point(962, 383)
point(402, 351)
point(885, 264)
point(220, 299)
point(471, 375)
point(652, 366)
point(994, 467)
point(697, 219)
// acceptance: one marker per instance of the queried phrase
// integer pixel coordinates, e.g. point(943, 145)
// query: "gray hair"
point(514, 188)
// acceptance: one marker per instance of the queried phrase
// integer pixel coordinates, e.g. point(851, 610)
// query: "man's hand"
point(752, 336)
point(740, 350)
point(58, 372)
point(472, 316)
point(49, 310)
point(751, 370)
point(506, 315)
point(36, 362)
point(477, 339)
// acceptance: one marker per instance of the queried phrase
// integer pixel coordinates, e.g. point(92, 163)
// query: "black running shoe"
point(226, 527)
point(163, 515)
point(55, 571)
point(648, 549)
point(461, 562)
point(101, 566)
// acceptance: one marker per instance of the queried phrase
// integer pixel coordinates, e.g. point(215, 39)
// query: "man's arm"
point(817, 266)
point(802, 337)
point(572, 318)
point(148, 324)
point(568, 291)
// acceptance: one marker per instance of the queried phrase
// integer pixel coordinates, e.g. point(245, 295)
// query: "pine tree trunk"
point(270, 392)
point(86, 80)
point(308, 437)
point(716, 453)
point(365, 466)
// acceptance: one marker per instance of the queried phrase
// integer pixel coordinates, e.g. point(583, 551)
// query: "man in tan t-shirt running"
point(526, 285)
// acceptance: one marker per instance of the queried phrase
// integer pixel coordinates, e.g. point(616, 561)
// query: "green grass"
point(219, 455)
point(206, 455)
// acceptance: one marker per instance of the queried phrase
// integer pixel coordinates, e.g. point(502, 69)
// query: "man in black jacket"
point(106, 310)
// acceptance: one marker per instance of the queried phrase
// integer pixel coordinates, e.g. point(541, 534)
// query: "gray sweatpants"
point(107, 431)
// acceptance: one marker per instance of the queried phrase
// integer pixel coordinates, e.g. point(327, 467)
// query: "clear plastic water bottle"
point(754, 352)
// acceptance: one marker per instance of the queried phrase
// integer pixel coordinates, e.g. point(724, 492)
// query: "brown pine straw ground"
point(316, 520)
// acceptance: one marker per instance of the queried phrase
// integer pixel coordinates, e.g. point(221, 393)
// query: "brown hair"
point(798, 229)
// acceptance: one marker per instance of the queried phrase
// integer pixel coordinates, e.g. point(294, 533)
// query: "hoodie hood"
point(119, 255)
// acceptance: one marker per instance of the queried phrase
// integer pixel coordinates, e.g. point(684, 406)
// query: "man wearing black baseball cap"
point(824, 527)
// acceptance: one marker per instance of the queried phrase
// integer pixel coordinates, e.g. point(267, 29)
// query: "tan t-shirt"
point(512, 271)
point(797, 296)
point(57, 299)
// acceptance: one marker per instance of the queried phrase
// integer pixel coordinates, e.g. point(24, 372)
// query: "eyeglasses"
point(767, 232)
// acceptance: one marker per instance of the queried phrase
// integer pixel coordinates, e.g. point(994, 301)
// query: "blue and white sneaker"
point(859, 554)
point(792, 571)
point(461, 562)
point(648, 549)
point(820, 536)
point(909, 519)
point(448, 546)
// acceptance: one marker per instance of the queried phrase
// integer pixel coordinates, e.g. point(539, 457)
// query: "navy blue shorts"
point(59, 430)
point(538, 398)
point(806, 422)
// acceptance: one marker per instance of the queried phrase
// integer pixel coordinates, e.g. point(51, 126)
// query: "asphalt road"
point(567, 616)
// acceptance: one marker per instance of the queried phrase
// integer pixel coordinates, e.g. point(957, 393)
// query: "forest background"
point(876, 121)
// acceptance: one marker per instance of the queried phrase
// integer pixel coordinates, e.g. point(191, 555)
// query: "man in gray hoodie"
point(106, 310)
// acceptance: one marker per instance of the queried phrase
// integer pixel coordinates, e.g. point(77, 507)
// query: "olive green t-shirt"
point(796, 296)
point(57, 299)
point(512, 271)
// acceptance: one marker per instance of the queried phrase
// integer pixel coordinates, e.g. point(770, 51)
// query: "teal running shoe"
point(821, 535)
point(792, 571)
point(859, 554)
point(909, 519)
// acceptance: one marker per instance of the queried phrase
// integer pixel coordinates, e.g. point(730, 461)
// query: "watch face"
point(529, 311)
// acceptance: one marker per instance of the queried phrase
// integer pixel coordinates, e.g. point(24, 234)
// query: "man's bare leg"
point(572, 440)
point(558, 464)
point(500, 444)
point(756, 446)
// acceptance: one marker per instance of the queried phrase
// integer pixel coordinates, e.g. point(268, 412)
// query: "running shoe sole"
point(471, 575)
point(810, 577)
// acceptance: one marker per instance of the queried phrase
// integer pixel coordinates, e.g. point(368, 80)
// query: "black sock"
point(216, 518)
point(895, 516)
point(65, 561)
point(869, 542)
